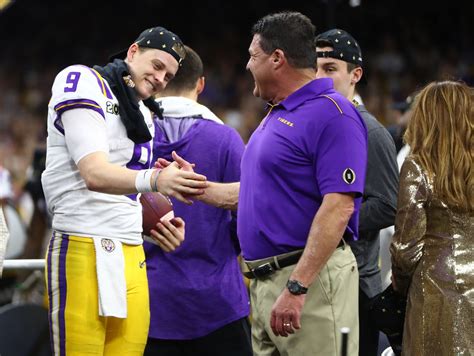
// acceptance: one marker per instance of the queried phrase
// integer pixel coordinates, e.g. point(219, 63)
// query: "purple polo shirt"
point(311, 144)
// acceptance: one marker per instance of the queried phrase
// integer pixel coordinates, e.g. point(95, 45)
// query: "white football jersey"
point(77, 210)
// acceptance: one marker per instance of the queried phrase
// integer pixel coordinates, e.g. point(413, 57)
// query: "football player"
point(98, 158)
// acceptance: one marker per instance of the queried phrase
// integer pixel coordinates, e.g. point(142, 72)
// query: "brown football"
point(156, 207)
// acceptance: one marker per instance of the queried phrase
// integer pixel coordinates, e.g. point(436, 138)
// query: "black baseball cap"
point(345, 47)
point(158, 38)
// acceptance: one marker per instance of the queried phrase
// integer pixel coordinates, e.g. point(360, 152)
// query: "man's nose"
point(159, 77)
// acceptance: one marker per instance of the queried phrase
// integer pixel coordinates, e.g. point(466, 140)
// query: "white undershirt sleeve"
point(85, 133)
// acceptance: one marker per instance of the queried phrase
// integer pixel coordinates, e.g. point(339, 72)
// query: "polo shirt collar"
point(313, 88)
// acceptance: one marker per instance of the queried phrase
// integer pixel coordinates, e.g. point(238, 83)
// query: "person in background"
point(432, 255)
point(397, 129)
point(340, 58)
point(198, 300)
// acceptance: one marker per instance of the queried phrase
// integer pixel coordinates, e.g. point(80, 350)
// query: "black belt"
point(267, 268)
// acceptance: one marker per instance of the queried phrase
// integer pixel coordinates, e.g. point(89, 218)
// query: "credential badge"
point(107, 245)
point(349, 176)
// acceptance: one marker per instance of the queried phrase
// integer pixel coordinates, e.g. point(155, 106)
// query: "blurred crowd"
point(401, 54)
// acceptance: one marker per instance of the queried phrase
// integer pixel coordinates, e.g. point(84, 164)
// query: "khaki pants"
point(331, 303)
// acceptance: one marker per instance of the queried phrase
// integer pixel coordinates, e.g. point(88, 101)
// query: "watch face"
point(296, 287)
point(293, 287)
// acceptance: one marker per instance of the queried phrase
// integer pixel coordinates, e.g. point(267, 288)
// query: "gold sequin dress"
point(433, 261)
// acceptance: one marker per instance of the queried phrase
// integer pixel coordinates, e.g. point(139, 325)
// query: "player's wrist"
point(143, 180)
point(154, 179)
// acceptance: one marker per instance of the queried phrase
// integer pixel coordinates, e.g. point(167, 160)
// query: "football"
point(155, 207)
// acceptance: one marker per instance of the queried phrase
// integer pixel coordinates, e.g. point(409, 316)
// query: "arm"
point(220, 195)
point(381, 184)
point(102, 176)
point(326, 231)
point(342, 145)
point(86, 137)
point(105, 177)
point(410, 225)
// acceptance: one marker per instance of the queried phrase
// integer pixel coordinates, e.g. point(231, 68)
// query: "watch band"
point(295, 287)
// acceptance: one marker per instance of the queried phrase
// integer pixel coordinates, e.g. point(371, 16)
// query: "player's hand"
point(180, 183)
point(183, 164)
point(286, 313)
point(162, 163)
point(169, 234)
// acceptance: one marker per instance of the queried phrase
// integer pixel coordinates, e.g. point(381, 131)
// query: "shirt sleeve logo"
point(349, 176)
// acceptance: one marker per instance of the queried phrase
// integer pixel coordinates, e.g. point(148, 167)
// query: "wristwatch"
point(296, 287)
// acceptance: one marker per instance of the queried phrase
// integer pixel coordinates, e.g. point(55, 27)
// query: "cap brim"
point(119, 55)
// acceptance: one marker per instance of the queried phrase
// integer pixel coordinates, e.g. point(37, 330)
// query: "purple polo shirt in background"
point(199, 287)
point(298, 154)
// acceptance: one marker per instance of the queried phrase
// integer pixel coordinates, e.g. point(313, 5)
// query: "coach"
point(302, 178)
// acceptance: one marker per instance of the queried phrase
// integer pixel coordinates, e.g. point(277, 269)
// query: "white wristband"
point(143, 180)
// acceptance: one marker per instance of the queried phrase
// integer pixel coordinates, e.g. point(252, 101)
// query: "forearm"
point(87, 143)
point(105, 177)
point(221, 195)
point(326, 231)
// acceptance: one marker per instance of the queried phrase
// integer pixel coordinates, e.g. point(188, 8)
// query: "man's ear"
point(201, 83)
point(278, 58)
point(356, 75)
point(132, 50)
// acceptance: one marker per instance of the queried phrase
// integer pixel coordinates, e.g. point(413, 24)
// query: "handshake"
point(178, 180)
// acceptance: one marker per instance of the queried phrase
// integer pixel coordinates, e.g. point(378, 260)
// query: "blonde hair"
point(440, 137)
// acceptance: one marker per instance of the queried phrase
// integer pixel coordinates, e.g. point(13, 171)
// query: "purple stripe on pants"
point(50, 293)
point(60, 257)
point(62, 293)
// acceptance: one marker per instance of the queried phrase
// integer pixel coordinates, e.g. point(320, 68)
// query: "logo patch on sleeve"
point(349, 176)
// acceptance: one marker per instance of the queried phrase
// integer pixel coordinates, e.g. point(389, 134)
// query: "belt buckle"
point(263, 270)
